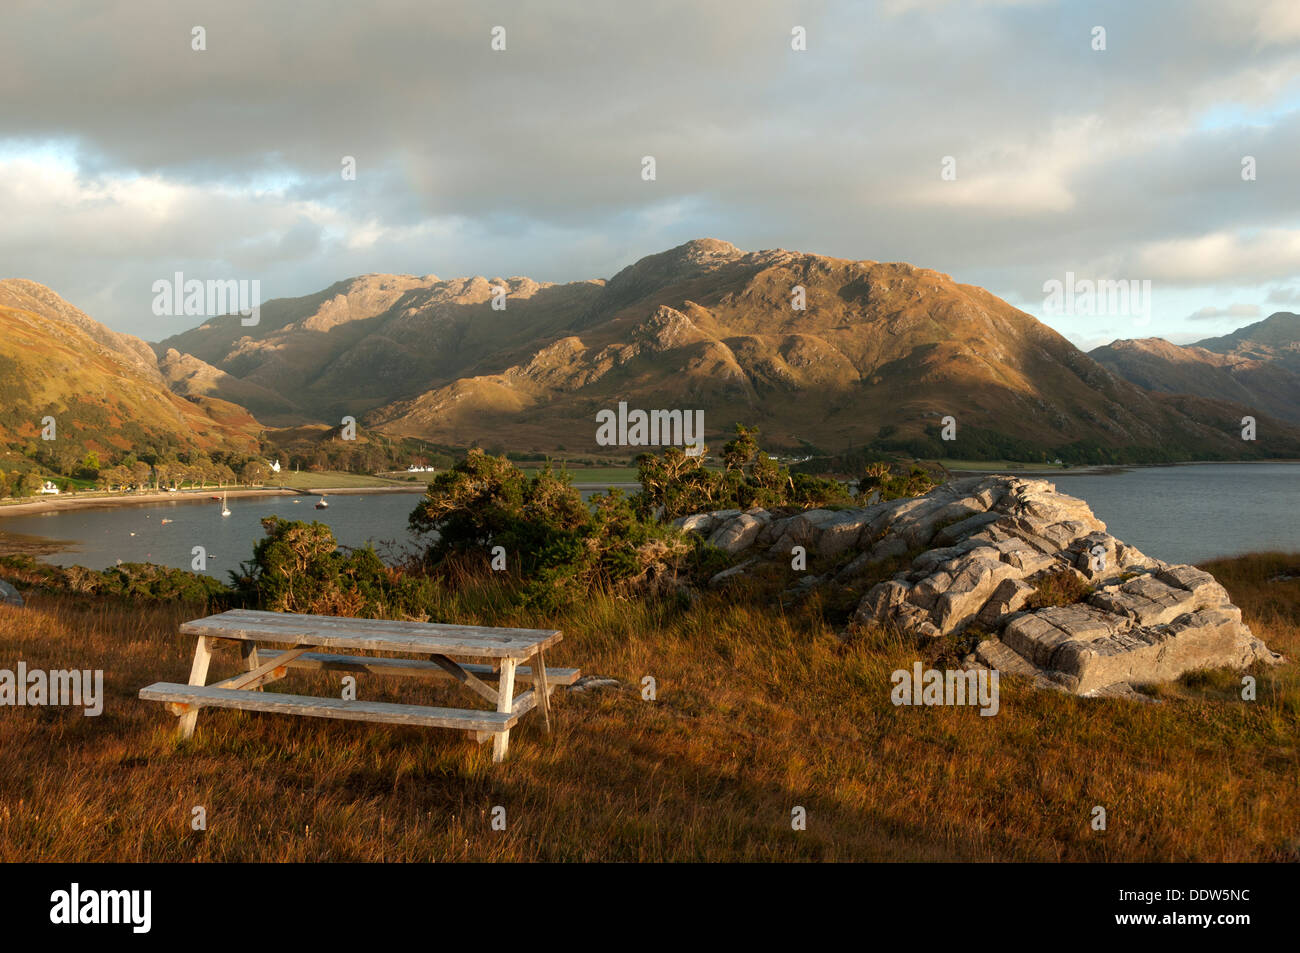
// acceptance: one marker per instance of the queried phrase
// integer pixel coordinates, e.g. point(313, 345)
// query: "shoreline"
point(1044, 472)
point(1106, 469)
point(52, 504)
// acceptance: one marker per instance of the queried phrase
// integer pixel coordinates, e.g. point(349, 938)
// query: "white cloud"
point(1228, 256)
point(1211, 313)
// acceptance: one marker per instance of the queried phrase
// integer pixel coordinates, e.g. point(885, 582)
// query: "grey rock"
point(991, 538)
point(736, 533)
point(1010, 595)
point(732, 572)
point(963, 528)
point(1152, 627)
point(592, 682)
point(9, 595)
point(970, 589)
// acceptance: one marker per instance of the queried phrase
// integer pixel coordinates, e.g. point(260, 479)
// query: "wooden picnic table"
point(501, 651)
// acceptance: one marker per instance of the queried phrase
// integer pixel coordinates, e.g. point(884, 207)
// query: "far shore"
point(67, 501)
point(48, 504)
point(1093, 469)
point(1043, 473)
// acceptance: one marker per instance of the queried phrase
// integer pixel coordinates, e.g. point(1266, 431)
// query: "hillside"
point(103, 389)
point(879, 356)
point(363, 342)
point(1257, 366)
point(1276, 338)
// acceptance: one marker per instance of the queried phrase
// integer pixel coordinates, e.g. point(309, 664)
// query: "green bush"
point(299, 567)
point(139, 581)
point(554, 542)
point(674, 484)
point(893, 481)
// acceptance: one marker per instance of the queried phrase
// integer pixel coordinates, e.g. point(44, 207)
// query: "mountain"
point(361, 343)
point(103, 389)
point(1257, 366)
point(881, 353)
point(1277, 338)
point(188, 376)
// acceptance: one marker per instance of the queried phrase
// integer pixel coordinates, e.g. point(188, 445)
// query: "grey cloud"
point(528, 161)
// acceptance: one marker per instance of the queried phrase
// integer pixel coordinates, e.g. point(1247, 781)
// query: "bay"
point(1179, 514)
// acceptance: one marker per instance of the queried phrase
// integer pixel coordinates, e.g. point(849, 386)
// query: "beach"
point(49, 504)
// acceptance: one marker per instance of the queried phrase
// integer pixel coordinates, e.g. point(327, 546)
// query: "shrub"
point(299, 567)
point(141, 581)
point(1058, 587)
point(675, 484)
point(894, 481)
point(557, 544)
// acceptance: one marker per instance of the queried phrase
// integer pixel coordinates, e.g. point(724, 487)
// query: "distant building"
point(50, 488)
point(275, 467)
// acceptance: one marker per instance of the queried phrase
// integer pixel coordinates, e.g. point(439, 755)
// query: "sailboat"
point(321, 504)
point(225, 510)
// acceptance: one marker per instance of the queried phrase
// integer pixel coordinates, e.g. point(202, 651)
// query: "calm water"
point(1178, 514)
point(98, 538)
point(1191, 513)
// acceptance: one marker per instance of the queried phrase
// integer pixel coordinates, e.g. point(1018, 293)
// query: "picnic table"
point(500, 651)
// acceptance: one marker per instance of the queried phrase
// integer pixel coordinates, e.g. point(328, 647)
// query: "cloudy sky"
point(126, 155)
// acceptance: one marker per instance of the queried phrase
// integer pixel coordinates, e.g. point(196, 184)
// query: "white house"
point(275, 466)
point(49, 487)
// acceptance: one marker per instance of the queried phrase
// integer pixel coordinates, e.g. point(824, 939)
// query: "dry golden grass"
point(756, 712)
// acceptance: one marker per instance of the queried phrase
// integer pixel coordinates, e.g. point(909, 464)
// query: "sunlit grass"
point(757, 711)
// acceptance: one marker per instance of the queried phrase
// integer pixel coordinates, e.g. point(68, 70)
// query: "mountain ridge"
point(103, 389)
point(1257, 365)
point(881, 352)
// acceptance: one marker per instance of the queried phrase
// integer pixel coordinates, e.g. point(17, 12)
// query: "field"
point(757, 711)
point(1000, 465)
point(337, 480)
point(601, 475)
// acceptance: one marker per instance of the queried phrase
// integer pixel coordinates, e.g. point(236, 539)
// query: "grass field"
point(336, 480)
point(998, 465)
point(757, 711)
point(596, 474)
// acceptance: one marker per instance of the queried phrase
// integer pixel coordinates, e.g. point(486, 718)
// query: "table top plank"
point(381, 635)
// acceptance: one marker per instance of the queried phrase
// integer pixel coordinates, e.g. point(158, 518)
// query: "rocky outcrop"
point(9, 595)
point(1030, 571)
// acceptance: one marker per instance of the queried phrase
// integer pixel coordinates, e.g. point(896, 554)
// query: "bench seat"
point(323, 661)
point(200, 696)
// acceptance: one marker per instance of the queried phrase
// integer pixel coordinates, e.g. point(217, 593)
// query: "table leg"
point(540, 686)
point(198, 676)
point(505, 699)
point(248, 652)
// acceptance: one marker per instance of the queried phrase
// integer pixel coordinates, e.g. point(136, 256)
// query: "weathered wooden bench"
point(304, 634)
